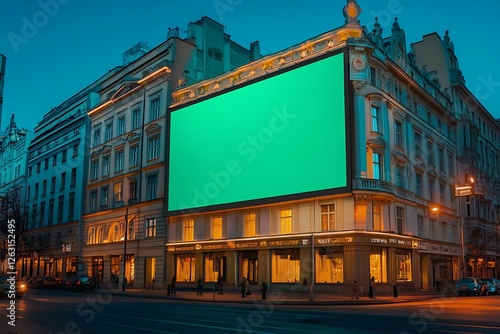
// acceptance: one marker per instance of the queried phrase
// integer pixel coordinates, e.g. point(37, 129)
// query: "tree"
point(13, 227)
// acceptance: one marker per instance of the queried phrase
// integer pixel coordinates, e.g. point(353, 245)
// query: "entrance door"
point(250, 266)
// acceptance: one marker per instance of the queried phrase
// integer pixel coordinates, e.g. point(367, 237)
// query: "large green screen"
point(284, 135)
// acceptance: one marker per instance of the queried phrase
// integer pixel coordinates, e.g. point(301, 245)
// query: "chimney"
point(254, 50)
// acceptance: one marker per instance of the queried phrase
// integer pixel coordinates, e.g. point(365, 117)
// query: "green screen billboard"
point(282, 136)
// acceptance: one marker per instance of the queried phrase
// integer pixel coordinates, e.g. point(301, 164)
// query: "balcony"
point(371, 184)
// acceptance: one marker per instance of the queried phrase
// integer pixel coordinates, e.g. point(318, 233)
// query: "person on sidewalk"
point(355, 291)
point(371, 291)
point(172, 285)
point(153, 284)
point(304, 286)
point(199, 287)
point(124, 283)
point(264, 289)
point(244, 286)
point(220, 281)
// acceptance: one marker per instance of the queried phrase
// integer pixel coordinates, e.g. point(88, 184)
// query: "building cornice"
point(328, 42)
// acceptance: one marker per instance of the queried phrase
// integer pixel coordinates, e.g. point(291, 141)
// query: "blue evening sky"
point(54, 51)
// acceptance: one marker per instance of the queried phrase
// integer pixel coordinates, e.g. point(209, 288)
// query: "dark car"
point(472, 286)
point(81, 283)
point(11, 287)
point(493, 285)
point(45, 282)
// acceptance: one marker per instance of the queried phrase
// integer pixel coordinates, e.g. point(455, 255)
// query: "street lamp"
point(462, 192)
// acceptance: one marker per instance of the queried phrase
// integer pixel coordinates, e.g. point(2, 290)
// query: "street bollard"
point(396, 294)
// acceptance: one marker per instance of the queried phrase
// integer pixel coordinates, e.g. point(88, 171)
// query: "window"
point(432, 226)
point(60, 209)
point(136, 118)
point(104, 196)
point(441, 159)
point(403, 263)
point(118, 192)
point(451, 164)
point(134, 156)
point(71, 208)
point(418, 144)
point(441, 193)
point(73, 177)
point(54, 160)
point(28, 193)
point(97, 137)
point(132, 186)
point(38, 167)
point(36, 190)
point(93, 202)
point(217, 228)
point(91, 236)
point(64, 154)
point(121, 125)
point(453, 233)
point(108, 131)
point(44, 187)
point(249, 224)
point(373, 76)
point(444, 232)
point(377, 217)
point(430, 152)
point(46, 164)
point(152, 186)
point(420, 226)
point(285, 265)
point(75, 150)
point(286, 221)
point(150, 227)
point(154, 111)
point(100, 235)
point(400, 176)
point(42, 213)
point(185, 265)
point(375, 119)
point(51, 212)
point(53, 184)
point(330, 265)
point(30, 170)
point(378, 264)
point(114, 233)
point(328, 217)
point(431, 189)
point(377, 166)
point(400, 220)
point(105, 165)
point(188, 230)
point(153, 148)
point(418, 184)
point(119, 161)
point(131, 230)
point(63, 180)
point(398, 133)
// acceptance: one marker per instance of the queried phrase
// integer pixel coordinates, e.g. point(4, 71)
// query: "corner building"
point(334, 160)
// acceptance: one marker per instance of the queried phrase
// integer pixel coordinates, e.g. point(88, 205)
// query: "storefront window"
point(330, 265)
point(185, 267)
point(378, 264)
point(285, 266)
point(212, 267)
point(403, 263)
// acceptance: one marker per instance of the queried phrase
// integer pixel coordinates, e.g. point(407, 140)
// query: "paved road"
point(84, 313)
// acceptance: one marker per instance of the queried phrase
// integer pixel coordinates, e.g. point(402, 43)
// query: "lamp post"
point(124, 282)
point(462, 192)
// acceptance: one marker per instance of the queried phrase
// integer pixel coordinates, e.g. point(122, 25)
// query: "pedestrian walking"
point(124, 283)
point(355, 290)
point(199, 287)
point(264, 289)
point(244, 286)
point(304, 286)
point(172, 285)
point(371, 291)
point(153, 283)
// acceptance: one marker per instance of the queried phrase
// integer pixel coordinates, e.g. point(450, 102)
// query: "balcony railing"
point(371, 184)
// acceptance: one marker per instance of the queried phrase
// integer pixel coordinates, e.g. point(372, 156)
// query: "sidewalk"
point(283, 298)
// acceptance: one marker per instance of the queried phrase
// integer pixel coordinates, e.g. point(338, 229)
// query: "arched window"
point(114, 233)
point(100, 235)
point(131, 230)
point(91, 236)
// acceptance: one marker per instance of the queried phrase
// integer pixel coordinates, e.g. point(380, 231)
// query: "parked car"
point(493, 285)
point(81, 283)
point(6, 284)
point(472, 286)
point(44, 282)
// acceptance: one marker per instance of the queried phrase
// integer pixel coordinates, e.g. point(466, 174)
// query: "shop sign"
point(400, 242)
point(330, 241)
point(378, 240)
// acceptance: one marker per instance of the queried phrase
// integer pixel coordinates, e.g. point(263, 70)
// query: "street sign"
point(464, 191)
